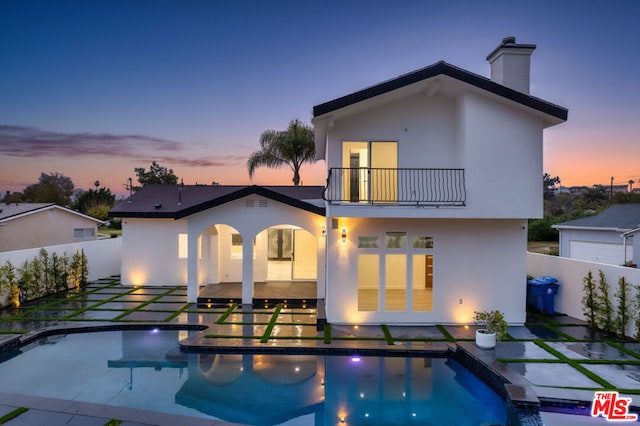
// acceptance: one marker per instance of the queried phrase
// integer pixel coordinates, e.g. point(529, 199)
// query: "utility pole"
point(611, 191)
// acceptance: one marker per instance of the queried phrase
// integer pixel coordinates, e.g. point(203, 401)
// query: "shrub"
point(589, 300)
point(623, 313)
point(493, 321)
point(605, 307)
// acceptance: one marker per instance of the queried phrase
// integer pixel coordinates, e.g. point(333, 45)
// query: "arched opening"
point(220, 264)
point(283, 265)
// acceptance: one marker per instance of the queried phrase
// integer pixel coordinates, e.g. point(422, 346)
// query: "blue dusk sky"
point(92, 89)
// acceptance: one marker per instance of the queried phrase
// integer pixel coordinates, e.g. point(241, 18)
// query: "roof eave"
point(243, 192)
point(590, 228)
point(556, 113)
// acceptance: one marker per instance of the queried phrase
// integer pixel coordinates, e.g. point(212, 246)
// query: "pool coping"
point(106, 412)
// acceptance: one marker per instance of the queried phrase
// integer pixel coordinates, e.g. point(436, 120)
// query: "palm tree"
point(292, 147)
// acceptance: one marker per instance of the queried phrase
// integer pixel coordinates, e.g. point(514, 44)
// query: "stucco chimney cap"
point(510, 43)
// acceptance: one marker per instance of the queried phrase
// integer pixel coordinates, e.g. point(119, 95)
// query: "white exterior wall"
point(150, 249)
point(498, 145)
point(423, 126)
point(481, 262)
point(502, 158)
point(150, 252)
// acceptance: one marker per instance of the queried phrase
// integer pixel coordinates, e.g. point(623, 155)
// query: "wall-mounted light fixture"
point(324, 231)
point(343, 234)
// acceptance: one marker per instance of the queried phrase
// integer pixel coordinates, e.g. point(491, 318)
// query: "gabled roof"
point(12, 211)
point(442, 68)
point(179, 201)
point(619, 218)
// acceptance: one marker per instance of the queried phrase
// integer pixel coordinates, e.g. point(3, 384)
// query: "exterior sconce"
point(343, 234)
point(324, 231)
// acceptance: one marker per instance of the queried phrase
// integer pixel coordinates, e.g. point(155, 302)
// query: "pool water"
point(145, 369)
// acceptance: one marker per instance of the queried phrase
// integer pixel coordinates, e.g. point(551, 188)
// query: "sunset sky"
point(92, 89)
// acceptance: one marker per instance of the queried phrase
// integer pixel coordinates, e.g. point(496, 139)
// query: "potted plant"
point(495, 328)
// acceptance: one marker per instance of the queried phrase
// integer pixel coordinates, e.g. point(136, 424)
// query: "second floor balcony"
point(393, 186)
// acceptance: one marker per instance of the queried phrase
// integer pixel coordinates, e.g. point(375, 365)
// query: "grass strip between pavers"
point(141, 305)
point(272, 323)
point(294, 338)
point(356, 338)
point(230, 336)
point(387, 334)
point(228, 312)
point(610, 361)
point(98, 304)
point(562, 334)
point(178, 312)
point(621, 348)
point(246, 323)
point(13, 414)
point(590, 374)
point(445, 333)
point(327, 334)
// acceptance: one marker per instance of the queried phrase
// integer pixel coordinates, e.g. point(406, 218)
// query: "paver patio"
point(558, 355)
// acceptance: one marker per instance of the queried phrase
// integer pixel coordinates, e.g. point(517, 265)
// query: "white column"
point(321, 269)
point(247, 270)
point(192, 268)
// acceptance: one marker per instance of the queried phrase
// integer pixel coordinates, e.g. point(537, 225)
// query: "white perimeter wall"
point(482, 262)
point(570, 273)
point(103, 256)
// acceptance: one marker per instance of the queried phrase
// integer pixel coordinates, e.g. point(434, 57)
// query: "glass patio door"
point(279, 253)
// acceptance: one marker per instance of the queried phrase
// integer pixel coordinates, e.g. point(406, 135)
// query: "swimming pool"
point(145, 369)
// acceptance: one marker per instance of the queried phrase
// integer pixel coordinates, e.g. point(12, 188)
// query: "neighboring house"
point(31, 225)
point(431, 179)
point(603, 238)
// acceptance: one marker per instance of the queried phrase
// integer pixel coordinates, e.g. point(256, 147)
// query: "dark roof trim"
point(441, 68)
point(243, 192)
point(249, 190)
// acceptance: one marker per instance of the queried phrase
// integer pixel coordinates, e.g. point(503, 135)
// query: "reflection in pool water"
point(146, 369)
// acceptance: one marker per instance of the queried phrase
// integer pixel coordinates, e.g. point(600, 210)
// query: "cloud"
point(31, 142)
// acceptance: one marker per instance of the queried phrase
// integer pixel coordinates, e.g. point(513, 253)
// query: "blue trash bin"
point(541, 293)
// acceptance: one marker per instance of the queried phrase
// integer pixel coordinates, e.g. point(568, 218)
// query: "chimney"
point(511, 63)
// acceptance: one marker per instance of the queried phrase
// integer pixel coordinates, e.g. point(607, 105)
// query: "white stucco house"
point(431, 177)
point(603, 238)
